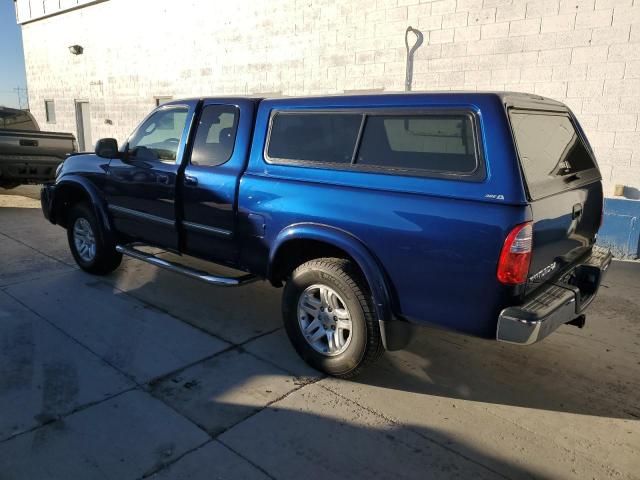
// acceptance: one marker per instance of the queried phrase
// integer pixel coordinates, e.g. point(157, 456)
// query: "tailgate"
point(35, 144)
point(564, 187)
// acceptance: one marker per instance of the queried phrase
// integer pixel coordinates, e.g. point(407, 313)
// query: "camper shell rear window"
point(553, 155)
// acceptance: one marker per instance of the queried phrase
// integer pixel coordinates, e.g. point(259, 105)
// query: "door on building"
point(83, 124)
point(211, 178)
point(141, 187)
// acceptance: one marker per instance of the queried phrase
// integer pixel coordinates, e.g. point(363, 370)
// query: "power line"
point(22, 92)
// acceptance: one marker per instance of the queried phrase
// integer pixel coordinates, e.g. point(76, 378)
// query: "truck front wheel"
point(329, 318)
point(86, 242)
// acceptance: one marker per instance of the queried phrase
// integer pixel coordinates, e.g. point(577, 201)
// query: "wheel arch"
point(325, 241)
point(72, 189)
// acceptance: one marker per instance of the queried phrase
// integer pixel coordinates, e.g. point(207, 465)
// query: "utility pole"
point(20, 91)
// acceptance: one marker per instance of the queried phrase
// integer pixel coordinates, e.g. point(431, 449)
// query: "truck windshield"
point(11, 119)
point(552, 154)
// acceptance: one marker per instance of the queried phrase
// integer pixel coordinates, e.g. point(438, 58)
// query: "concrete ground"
point(145, 373)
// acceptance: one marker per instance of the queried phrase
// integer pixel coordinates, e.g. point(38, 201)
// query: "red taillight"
point(515, 256)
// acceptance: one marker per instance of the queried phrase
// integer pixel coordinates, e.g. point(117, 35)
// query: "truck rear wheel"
point(86, 242)
point(329, 318)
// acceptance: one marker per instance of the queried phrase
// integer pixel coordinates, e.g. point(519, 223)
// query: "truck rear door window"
point(215, 136)
point(314, 137)
point(552, 153)
point(432, 143)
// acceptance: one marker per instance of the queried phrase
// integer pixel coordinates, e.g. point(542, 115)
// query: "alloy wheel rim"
point(84, 239)
point(324, 320)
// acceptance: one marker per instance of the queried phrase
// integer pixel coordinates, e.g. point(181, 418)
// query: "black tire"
point(339, 274)
point(106, 259)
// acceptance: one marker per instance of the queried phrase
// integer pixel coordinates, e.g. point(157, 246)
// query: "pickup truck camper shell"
point(472, 211)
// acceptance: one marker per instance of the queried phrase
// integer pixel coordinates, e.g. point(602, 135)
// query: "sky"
point(11, 57)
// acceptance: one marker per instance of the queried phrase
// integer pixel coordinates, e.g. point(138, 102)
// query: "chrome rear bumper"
point(555, 304)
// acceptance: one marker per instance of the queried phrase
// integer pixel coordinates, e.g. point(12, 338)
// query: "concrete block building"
point(96, 67)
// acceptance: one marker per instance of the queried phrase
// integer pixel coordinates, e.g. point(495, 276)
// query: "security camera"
point(76, 49)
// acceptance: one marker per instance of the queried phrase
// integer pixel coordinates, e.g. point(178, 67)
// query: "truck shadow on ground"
point(553, 376)
point(290, 443)
point(594, 371)
point(564, 373)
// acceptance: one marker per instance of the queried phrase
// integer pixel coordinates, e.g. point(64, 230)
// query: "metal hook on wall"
point(410, 53)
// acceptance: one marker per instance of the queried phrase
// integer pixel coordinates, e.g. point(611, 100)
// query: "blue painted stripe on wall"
point(620, 229)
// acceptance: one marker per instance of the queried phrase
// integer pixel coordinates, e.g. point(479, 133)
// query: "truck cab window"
point(158, 138)
point(12, 119)
point(215, 136)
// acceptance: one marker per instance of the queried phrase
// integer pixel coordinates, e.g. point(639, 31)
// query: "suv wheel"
point(90, 252)
point(328, 317)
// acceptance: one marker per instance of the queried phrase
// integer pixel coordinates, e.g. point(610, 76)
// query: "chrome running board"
point(184, 270)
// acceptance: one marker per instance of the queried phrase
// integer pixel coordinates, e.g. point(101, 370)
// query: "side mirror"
point(107, 148)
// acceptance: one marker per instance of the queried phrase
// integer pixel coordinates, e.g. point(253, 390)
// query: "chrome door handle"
point(190, 180)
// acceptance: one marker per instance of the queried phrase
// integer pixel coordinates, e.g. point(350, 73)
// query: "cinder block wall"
point(583, 52)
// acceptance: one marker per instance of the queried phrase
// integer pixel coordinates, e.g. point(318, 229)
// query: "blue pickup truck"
point(477, 212)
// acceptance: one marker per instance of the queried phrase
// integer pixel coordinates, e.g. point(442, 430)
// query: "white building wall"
point(28, 10)
point(583, 52)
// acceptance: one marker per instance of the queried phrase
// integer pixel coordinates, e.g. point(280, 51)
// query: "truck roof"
point(360, 99)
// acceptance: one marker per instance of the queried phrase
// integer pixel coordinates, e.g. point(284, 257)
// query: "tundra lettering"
point(543, 273)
